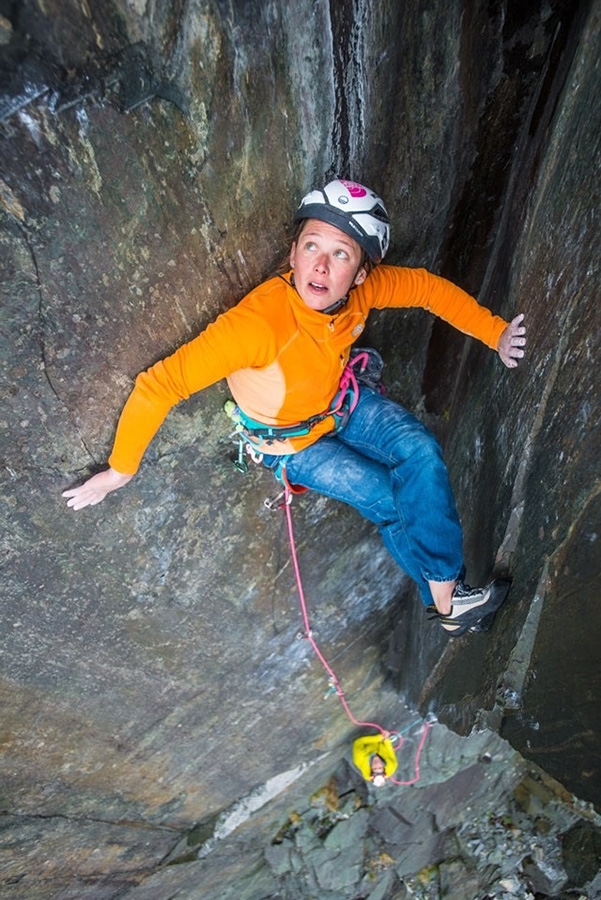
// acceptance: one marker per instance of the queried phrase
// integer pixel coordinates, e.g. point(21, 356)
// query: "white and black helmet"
point(353, 208)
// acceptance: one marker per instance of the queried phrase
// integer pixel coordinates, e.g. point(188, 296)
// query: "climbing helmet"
point(354, 209)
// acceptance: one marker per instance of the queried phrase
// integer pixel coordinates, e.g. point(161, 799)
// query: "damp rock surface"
point(159, 699)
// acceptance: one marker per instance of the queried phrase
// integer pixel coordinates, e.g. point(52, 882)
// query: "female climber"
point(284, 350)
point(374, 756)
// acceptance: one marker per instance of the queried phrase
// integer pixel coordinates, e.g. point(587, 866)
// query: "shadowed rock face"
point(151, 156)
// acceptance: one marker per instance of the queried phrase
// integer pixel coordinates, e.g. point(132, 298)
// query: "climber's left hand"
point(512, 342)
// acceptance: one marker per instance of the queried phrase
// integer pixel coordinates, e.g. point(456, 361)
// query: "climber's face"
point(326, 263)
point(377, 766)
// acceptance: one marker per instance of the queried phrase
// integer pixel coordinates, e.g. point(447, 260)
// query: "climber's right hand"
point(95, 489)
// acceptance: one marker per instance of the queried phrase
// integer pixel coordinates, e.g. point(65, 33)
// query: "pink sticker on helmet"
point(354, 189)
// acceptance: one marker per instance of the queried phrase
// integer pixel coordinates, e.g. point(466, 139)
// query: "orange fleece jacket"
point(282, 359)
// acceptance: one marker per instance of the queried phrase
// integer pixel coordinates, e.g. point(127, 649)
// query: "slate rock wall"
point(151, 156)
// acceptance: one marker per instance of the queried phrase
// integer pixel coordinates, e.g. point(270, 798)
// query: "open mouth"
point(318, 288)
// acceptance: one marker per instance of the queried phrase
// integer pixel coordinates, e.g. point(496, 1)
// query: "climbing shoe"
point(473, 609)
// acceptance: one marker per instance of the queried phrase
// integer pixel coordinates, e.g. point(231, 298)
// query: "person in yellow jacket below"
point(284, 349)
point(374, 756)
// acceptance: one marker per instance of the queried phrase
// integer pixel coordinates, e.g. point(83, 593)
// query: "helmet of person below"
point(353, 208)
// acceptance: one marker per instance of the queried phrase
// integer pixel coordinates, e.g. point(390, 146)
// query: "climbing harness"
point(256, 438)
point(334, 684)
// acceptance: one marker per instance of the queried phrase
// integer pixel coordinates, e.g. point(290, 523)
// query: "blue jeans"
point(387, 465)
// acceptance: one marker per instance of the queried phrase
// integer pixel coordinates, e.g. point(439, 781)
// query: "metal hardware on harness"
point(240, 463)
point(277, 502)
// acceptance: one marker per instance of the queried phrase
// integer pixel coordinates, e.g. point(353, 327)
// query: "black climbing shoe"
point(473, 609)
point(483, 624)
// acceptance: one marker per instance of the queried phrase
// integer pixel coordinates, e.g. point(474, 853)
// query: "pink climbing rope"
point(331, 674)
point(418, 754)
point(349, 382)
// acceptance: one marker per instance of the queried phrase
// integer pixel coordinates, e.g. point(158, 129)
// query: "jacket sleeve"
point(236, 339)
point(365, 747)
point(398, 286)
